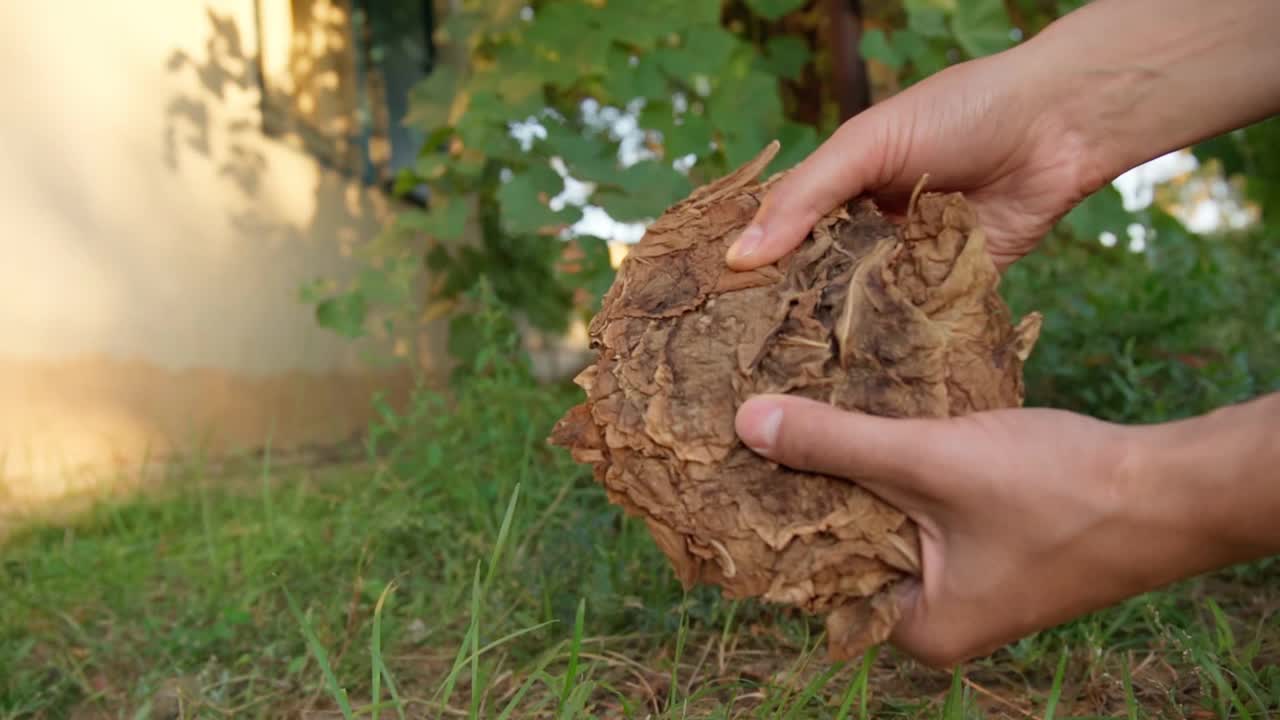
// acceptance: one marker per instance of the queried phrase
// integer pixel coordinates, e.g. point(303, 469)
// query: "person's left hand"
point(1028, 517)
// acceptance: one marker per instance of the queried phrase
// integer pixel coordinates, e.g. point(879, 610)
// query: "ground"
point(278, 593)
point(458, 566)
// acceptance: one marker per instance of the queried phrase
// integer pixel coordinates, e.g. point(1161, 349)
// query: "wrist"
point(1206, 490)
point(1195, 71)
point(1144, 542)
point(1080, 99)
point(1061, 107)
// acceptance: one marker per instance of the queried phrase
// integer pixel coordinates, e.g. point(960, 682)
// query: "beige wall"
point(152, 242)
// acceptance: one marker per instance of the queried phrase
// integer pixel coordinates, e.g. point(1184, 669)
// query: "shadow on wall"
point(228, 68)
point(197, 230)
point(308, 106)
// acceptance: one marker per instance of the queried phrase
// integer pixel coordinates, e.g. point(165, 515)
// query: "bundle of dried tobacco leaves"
point(898, 320)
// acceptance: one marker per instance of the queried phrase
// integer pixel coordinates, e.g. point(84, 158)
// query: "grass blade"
point(375, 651)
point(1055, 692)
point(812, 688)
point(534, 676)
point(858, 688)
point(1214, 671)
point(954, 706)
point(675, 662)
point(470, 640)
point(446, 689)
point(391, 687)
point(503, 532)
point(322, 658)
point(475, 644)
point(571, 674)
point(1130, 700)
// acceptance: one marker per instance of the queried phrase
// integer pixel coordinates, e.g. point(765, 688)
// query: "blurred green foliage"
point(535, 97)
point(530, 94)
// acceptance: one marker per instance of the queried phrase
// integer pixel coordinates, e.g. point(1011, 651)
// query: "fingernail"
point(762, 435)
point(748, 242)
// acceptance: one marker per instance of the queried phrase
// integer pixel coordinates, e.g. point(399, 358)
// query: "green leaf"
point(657, 115)
point(519, 86)
point(1266, 193)
point(484, 126)
point(695, 12)
point(642, 191)
point(559, 24)
point(691, 135)
point(384, 286)
point(982, 27)
point(431, 99)
point(446, 219)
point(927, 61)
point(566, 44)
point(586, 158)
point(1103, 211)
point(405, 182)
point(704, 50)
point(431, 165)
point(637, 23)
point(644, 23)
point(774, 9)
point(1225, 149)
point(745, 134)
point(524, 201)
point(798, 142)
point(785, 56)
point(909, 44)
point(927, 18)
point(595, 271)
point(875, 46)
point(627, 82)
point(344, 314)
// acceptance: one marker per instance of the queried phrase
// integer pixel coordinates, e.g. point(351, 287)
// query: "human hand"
point(980, 128)
point(1027, 517)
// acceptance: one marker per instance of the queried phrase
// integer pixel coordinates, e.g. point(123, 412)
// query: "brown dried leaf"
point(893, 320)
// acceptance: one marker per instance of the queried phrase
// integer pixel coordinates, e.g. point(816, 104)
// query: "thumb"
point(887, 456)
point(854, 159)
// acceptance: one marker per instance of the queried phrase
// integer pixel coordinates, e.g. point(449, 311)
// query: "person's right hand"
point(981, 127)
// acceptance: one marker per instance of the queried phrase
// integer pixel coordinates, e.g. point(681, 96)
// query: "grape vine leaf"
point(585, 157)
point(1103, 211)
point(642, 191)
point(875, 45)
point(798, 141)
point(743, 134)
point(445, 220)
point(774, 9)
point(525, 199)
point(344, 314)
point(785, 56)
point(982, 27)
point(706, 49)
point(628, 80)
point(926, 18)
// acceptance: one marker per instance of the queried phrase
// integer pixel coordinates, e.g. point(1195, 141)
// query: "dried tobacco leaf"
point(894, 320)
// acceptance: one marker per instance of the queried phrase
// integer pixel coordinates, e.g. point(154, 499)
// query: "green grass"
point(339, 599)
point(465, 569)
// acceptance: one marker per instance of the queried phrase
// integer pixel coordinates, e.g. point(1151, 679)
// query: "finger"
point(851, 161)
point(887, 456)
